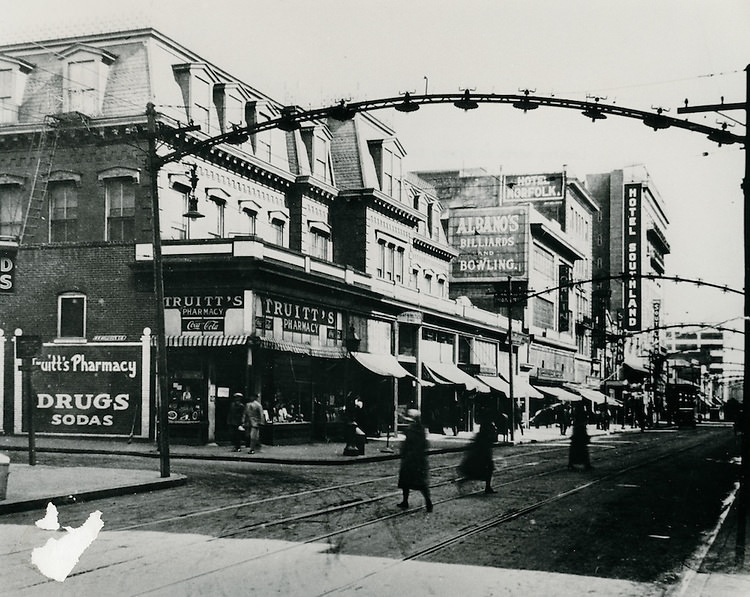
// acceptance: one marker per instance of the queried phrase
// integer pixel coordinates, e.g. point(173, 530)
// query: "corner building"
point(309, 268)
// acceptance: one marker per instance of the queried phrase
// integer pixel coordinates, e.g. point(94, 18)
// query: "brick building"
point(318, 271)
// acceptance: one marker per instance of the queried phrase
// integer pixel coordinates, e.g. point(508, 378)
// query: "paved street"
point(207, 536)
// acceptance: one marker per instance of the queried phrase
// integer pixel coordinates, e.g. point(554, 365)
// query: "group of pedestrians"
point(477, 463)
point(244, 419)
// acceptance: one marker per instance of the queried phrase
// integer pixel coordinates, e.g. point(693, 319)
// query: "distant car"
point(544, 417)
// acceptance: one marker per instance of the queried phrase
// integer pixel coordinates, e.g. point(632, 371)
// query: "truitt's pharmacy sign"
point(87, 390)
point(203, 313)
point(298, 317)
point(632, 225)
point(492, 243)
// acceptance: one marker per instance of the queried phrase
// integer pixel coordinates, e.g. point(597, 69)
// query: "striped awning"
point(187, 340)
point(496, 383)
point(589, 393)
point(448, 373)
point(382, 364)
point(321, 352)
point(560, 393)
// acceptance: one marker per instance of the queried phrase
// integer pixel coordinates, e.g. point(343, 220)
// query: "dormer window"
point(85, 71)
point(197, 82)
point(317, 142)
point(13, 75)
point(256, 113)
point(387, 156)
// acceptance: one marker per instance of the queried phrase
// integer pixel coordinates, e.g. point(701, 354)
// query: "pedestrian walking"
point(235, 420)
point(253, 417)
point(477, 463)
point(413, 472)
point(579, 440)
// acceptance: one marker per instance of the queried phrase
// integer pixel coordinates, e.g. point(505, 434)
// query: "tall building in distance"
point(630, 243)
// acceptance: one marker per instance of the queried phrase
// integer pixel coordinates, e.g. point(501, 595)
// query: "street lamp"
point(162, 389)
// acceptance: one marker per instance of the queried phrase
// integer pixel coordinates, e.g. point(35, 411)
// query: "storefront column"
point(146, 383)
point(2, 381)
point(418, 356)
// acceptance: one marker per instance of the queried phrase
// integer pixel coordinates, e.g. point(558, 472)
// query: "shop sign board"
point(632, 238)
point(87, 389)
point(299, 317)
point(492, 243)
point(204, 312)
point(7, 270)
point(534, 187)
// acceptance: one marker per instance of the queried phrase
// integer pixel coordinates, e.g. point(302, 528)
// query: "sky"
point(640, 54)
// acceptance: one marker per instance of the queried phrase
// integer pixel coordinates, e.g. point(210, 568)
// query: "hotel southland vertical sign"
point(633, 247)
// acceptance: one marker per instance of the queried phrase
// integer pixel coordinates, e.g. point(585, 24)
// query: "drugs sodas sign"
point(7, 271)
point(87, 389)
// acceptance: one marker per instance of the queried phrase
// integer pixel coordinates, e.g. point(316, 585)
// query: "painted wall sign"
point(534, 187)
point(492, 242)
point(87, 390)
point(298, 317)
point(632, 224)
point(203, 313)
point(7, 270)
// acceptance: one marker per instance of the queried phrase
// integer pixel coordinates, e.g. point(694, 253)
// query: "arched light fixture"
point(594, 112)
point(466, 103)
point(287, 123)
point(342, 111)
point(722, 137)
point(407, 105)
point(525, 103)
point(657, 121)
point(237, 136)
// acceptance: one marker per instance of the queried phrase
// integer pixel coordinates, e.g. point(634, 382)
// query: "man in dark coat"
point(235, 420)
point(414, 472)
point(579, 440)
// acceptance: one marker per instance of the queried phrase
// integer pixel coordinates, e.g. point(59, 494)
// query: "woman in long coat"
point(477, 463)
point(414, 472)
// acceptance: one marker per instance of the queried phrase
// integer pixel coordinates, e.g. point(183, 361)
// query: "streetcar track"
point(465, 532)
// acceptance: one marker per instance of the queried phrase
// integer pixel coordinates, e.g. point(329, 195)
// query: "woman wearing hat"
point(413, 472)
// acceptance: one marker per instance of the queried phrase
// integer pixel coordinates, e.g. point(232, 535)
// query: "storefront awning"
point(635, 367)
point(448, 373)
point(381, 364)
point(595, 396)
point(522, 388)
point(184, 340)
point(560, 393)
point(496, 383)
point(321, 352)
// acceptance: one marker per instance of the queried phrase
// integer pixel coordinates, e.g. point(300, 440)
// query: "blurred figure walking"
point(579, 440)
point(477, 463)
point(414, 472)
point(235, 420)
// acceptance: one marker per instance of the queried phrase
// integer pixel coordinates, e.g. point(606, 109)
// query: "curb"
point(94, 494)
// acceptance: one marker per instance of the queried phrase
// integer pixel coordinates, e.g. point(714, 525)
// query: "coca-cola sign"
point(203, 313)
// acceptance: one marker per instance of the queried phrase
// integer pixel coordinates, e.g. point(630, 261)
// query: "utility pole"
point(744, 500)
point(510, 361)
point(162, 386)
